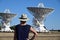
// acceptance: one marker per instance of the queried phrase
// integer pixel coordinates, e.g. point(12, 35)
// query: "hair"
point(22, 22)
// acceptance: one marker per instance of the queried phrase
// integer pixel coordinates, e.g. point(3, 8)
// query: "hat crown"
point(23, 16)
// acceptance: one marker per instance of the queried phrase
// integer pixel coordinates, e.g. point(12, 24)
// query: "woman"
point(22, 29)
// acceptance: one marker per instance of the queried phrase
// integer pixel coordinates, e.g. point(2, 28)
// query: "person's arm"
point(34, 32)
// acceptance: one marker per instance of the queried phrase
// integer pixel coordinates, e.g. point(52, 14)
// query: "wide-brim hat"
point(23, 17)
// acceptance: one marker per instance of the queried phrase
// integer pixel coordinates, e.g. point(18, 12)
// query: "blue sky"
point(20, 6)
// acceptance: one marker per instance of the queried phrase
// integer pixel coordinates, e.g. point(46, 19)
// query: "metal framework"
point(6, 18)
point(40, 13)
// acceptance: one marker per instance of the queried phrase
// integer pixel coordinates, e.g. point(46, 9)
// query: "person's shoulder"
point(28, 25)
point(16, 25)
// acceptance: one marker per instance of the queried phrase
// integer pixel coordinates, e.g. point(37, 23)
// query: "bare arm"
point(34, 32)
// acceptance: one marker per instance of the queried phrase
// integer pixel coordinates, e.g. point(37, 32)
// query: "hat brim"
point(24, 19)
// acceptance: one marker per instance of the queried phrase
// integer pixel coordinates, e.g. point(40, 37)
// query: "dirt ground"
point(41, 36)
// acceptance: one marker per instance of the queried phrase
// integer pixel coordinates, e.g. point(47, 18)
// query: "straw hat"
point(23, 17)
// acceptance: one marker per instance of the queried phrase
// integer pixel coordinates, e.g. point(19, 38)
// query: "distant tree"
point(58, 30)
point(12, 27)
point(0, 27)
point(0, 24)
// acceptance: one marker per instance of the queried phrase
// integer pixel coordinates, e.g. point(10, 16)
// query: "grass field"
point(41, 36)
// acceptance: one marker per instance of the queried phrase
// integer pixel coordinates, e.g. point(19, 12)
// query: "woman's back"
point(22, 32)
